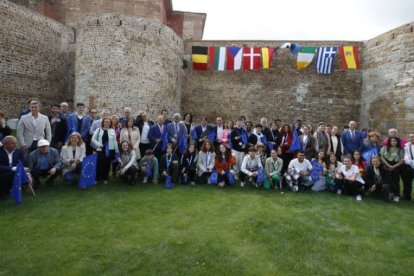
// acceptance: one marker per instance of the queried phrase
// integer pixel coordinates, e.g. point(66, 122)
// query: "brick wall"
point(128, 61)
point(280, 92)
point(36, 59)
point(388, 81)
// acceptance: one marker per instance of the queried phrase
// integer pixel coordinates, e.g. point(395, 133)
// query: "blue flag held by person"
point(367, 155)
point(260, 176)
point(295, 143)
point(88, 173)
point(168, 184)
point(182, 144)
point(148, 169)
point(20, 178)
point(194, 135)
point(164, 140)
point(230, 177)
point(316, 171)
point(211, 136)
point(244, 138)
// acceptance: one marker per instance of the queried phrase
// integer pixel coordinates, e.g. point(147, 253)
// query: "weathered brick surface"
point(36, 59)
point(280, 92)
point(388, 81)
point(128, 61)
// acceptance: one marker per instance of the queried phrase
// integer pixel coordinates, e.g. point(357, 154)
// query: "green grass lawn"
point(145, 229)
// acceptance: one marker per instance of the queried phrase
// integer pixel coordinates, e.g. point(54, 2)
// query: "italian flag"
point(305, 57)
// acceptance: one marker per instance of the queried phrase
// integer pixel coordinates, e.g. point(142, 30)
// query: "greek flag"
point(326, 58)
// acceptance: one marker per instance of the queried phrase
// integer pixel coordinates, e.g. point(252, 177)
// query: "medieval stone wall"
point(388, 81)
point(36, 59)
point(280, 92)
point(128, 61)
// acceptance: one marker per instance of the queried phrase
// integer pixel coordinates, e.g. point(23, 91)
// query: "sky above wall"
point(300, 19)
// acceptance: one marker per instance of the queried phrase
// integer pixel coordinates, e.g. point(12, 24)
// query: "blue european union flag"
point(317, 169)
point(20, 177)
point(71, 127)
point(268, 145)
point(244, 137)
point(367, 155)
point(168, 184)
point(164, 140)
point(260, 175)
point(88, 174)
point(194, 135)
point(295, 143)
point(148, 169)
point(182, 143)
point(211, 136)
point(107, 149)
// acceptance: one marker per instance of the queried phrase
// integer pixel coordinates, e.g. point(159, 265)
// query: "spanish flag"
point(267, 57)
point(349, 57)
point(199, 57)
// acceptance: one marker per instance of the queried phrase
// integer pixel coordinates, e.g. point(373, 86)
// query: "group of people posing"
point(223, 154)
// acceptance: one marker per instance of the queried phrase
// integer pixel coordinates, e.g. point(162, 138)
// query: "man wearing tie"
point(155, 134)
point(175, 132)
point(352, 140)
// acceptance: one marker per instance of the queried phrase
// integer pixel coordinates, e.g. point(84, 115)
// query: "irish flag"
point(305, 57)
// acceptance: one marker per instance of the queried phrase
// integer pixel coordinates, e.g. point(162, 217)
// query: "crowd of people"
point(224, 153)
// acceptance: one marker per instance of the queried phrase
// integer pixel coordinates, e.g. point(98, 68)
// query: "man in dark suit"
point(155, 133)
point(59, 128)
point(9, 158)
point(352, 139)
point(176, 131)
point(202, 132)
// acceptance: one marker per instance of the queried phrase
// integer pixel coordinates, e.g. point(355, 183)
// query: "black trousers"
point(173, 172)
point(349, 187)
point(39, 173)
point(407, 175)
point(191, 172)
point(6, 183)
point(104, 165)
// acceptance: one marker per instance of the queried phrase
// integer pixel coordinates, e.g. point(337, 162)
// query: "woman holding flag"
point(104, 139)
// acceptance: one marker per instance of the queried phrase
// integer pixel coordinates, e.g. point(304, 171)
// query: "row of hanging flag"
point(255, 58)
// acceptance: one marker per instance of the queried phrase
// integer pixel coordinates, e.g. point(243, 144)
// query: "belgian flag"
point(199, 57)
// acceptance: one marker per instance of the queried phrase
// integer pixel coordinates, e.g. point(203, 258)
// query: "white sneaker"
point(339, 192)
point(192, 183)
point(241, 184)
point(296, 188)
point(145, 180)
point(396, 199)
point(358, 198)
point(105, 182)
point(257, 185)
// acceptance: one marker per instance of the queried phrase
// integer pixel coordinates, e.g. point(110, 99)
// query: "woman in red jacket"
point(223, 164)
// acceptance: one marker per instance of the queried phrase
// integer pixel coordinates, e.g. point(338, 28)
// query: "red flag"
point(251, 58)
point(211, 53)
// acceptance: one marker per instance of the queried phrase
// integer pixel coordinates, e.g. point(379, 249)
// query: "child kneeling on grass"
point(149, 167)
point(169, 164)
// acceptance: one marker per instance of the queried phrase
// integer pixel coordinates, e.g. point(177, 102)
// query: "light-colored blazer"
point(67, 154)
point(134, 139)
point(273, 167)
point(201, 162)
point(97, 139)
point(26, 130)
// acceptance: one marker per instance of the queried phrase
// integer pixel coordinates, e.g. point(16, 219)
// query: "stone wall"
point(128, 61)
point(279, 92)
point(388, 81)
point(36, 59)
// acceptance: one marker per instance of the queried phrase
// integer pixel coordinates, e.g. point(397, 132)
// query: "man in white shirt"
point(250, 166)
point(408, 169)
point(299, 172)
